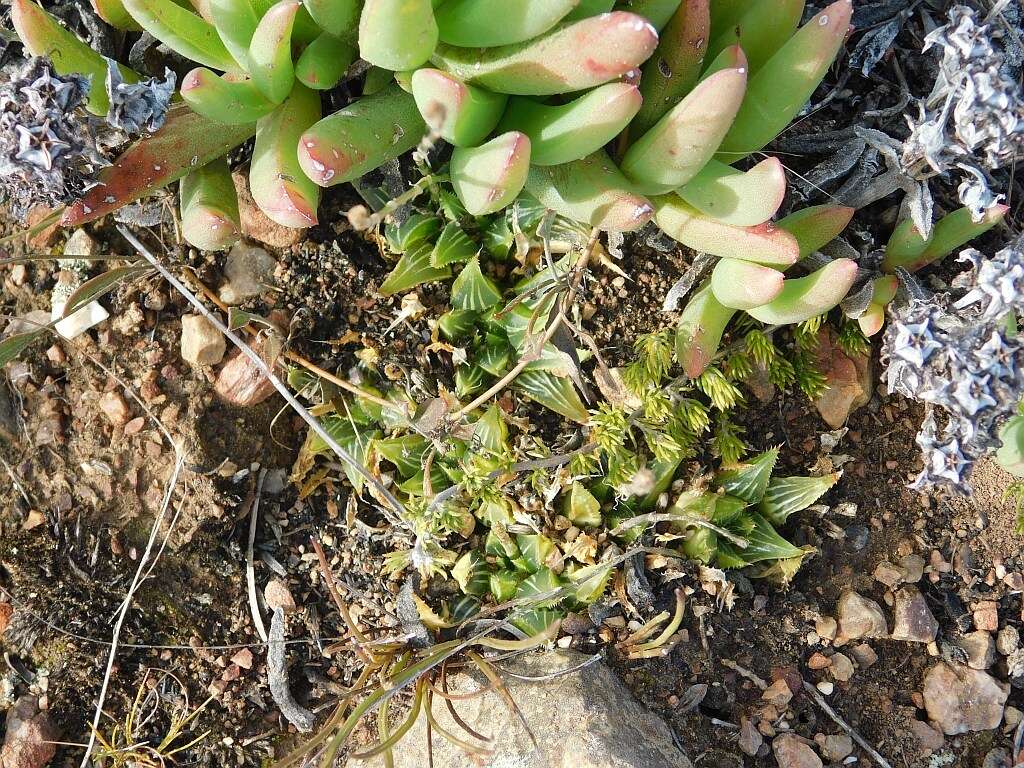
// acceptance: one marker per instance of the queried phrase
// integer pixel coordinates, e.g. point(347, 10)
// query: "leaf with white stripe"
point(786, 495)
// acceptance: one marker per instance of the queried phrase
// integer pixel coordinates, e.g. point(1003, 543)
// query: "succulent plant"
point(960, 354)
point(480, 82)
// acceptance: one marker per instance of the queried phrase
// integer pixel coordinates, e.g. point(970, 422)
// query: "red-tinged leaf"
point(187, 140)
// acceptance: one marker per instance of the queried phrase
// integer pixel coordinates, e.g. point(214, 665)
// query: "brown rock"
point(791, 752)
point(980, 649)
point(249, 270)
point(818, 661)
point(6, 611)
point(930, 739)
point(19, 275)
point(864, 654)
point(826, 627)
point(114, 408)
point(889, 574)
point(848, 379)
point(750, 740)
point(201, 342)
point(860, 616)
point(241, 383)
point(243, 658)
point(278, 595)
point(255, 223)
point(841, 668)
point(960, 699)
point(913, 566)
point(914, 622)
point(986, 616)
point(30, 736)
point(43, 240)
point(836, 748)
point(778, 694)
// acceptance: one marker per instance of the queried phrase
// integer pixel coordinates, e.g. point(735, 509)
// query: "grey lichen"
point(47, 150)
point(973, 120)
point(960, 354)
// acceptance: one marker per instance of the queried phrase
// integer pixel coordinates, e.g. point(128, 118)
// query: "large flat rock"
point(586, 719)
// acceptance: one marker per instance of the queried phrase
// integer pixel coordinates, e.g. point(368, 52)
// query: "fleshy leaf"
point(591, 191)
point(413, 269)
point(562, 133)
point(270, 51)
point(406, 452)
point(186, 141)
point(415, 229)
point(763, 543)
point(490, 433)
point(209, 207)
point(816, 226)
point(743, 284)
point(749, 481)
point(182, 31)
point(700, 330)
point(397, 34)
point(739, 198)
point(278, 185)
point(580, 506)
point(463, 115)
point(764, 244)
point(907, 249)
point(806, 297)
point(472, 23)
point(682, 142)
point(761, 30)
point(472, 290)
point(361, 137)
point(324, 62)
point(489, 177)
point(335, 17)
point(575, 57)
point(554, 392)
point(231, 102)
point(786, 495)
point(470, 572)
point(781, 88)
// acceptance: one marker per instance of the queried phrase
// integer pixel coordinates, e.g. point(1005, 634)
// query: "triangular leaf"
point(786, 495)
point(416, 229)
point(413, 269)
point(472, 290)
point(490, 433)
point(763, 543)
point(406, 453)
point(453, 246)
point(471, 573)
point(749, 481)
point(554, 392)
point(536, 549)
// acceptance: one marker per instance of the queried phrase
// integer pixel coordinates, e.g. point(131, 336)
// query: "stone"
point(6, 611)
point(913, 622)
point(1008, 640)
point(201, 342)
point(255, 223)
point(750, 739)
point(818, 661)
point(930, 739)
point(43, 239)
point(986, 616)
point(586, 719)
point(997, 758)
point(848, 380)
point(835, 748)
point(860, 616)
point(959, 699)
point(241, 383)
point(841, 668)
point(889, 574)
point(30, 736)
point(19, 275)
point(913, 566)
point(980, 649)
point(791, 752)
point(778, 694)
point(826, 627)
point(249, 270)
point(114, 407)
point(80, 244)
point(826, 687)
point(865, 655)
point(243, 659)
point(278, 595)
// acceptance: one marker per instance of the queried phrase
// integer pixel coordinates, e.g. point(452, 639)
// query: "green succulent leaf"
point(453, 246)
point(503, 585)
point(591, 582)
point(806, 297)
point(489, 177)
point(209, 207)
point(700, 330)
point(407, 453)
point(458, 324)
point(113, 12)
point(743, 284)
point(761, 30)
point(816, 226)
point(763, 543)
point(335, 17)
point(397, 34)
point(463, 115)
point(553, 392)
point(495, 355)
point(574, 57)
point(415, 229)
point(536, 549)
point(472, 290)
point(356, 441)
point(907, 249)
point(490, 433)
point(231, 102)
point(749, 481)
point(472, 23)
point(324, 61)
point(738, 198)
point(182, 31)
point(533, 621)
point(786, 495)
point(469, 379)
point(235, 22)
point(580, 506)
point(500, 544)
point(413, 268)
